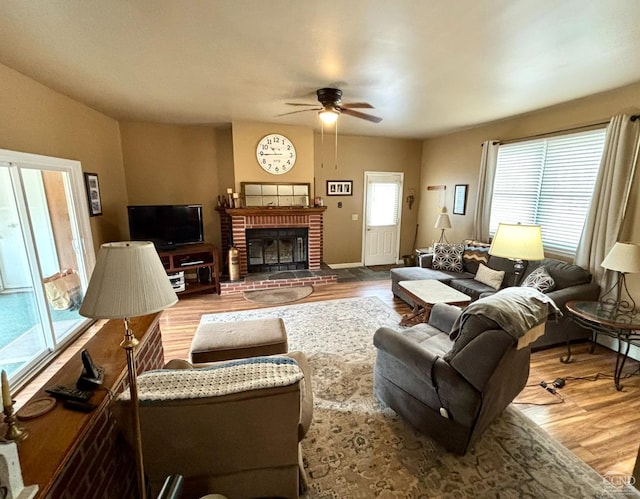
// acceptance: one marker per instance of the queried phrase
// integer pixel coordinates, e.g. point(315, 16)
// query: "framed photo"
point(460, 199)
point(93, 193)
point(339, 187)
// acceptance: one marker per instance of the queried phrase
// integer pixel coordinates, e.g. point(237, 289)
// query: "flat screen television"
point(166, 226)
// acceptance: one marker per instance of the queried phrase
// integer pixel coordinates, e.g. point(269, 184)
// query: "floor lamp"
point(128, 281)
point(517, 242)
point(623, 258)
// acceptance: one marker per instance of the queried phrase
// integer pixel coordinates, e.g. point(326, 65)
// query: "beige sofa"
point(241, 445)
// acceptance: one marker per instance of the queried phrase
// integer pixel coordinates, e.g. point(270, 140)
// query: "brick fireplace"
point(236, 221)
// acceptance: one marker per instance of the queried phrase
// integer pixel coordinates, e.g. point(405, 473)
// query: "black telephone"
point(92, 374)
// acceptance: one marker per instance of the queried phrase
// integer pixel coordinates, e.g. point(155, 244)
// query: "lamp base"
point(443, 238)
point(613, 301)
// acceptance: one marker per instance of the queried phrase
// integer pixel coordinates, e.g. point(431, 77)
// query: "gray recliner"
point(452, 390)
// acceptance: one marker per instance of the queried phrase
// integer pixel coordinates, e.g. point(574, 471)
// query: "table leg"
point(620, 360)
point(413, 317)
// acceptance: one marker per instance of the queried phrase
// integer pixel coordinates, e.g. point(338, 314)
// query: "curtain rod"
point(634, 117)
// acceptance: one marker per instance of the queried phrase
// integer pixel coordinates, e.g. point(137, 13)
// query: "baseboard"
point(612, 344)
point(345, 265)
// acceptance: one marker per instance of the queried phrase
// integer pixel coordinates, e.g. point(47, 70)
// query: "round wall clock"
point(276, 154)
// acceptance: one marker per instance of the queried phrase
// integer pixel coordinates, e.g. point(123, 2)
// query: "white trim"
point(612, 344)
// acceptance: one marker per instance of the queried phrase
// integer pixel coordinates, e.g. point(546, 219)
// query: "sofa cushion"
point(490, 277)
point(471, 287)
point(448, 257)
point(540, 280)
point(418, 273)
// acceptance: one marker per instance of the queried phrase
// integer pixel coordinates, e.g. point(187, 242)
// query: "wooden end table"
point(424, 294)
point(599, 319)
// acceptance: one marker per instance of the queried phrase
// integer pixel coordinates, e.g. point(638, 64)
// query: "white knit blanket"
point(223, 379)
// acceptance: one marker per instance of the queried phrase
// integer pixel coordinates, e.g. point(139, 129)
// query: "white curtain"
point(603, 224)
point(485, 190)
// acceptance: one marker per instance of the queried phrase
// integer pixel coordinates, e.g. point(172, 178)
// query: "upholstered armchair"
point(452, 377)
point(231, 428)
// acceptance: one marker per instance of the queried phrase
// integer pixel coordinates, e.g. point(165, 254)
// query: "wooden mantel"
point(273, 210)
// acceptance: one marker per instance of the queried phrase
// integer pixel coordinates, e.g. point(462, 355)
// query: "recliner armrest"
point(408, 352)
point(589, 291)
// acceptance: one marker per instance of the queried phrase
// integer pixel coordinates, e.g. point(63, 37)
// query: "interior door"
point(382, 217)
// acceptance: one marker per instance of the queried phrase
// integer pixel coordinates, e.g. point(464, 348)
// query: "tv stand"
point(199, 262)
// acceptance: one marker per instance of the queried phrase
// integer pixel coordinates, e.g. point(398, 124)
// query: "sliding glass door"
point(46, 255)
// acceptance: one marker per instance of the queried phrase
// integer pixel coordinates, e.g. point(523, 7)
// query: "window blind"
point(548, 182)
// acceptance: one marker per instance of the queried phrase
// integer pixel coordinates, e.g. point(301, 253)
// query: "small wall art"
point(460, 199)
point(339, 187)
point(93, 193)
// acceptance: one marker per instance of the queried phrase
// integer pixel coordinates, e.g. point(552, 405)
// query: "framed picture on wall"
point(93, 193)
point(460, 199)
point(339, 187)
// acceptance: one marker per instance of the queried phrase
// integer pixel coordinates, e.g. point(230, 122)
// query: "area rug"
point(357, 448)
point(279, 295)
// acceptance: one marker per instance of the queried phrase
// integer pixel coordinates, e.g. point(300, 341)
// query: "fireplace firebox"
point(270, 250)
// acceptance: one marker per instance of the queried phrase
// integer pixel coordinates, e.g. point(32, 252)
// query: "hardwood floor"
point(596, 422)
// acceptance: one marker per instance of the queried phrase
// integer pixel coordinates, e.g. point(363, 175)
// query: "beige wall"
point(342, 235)
point(172, 164)
point(246, 136)
point(38, 120)
point(455, 158)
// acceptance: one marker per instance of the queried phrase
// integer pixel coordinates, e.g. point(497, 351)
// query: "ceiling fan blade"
point(358, 114)
point(301, 111)
point(299, 104)
point(353, 105)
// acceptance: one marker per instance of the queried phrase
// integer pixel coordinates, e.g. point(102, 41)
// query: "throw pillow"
point(447, 257)
point(540, 280)
point(475, 254)
point(489, 276)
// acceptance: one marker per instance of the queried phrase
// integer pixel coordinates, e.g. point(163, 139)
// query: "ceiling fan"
point(332, 106)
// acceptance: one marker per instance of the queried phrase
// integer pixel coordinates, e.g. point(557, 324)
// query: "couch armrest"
point(425, 260)
point(419, 360)
point(589, 291)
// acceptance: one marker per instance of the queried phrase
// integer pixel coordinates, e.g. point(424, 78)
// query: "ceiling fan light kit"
point(332, 107)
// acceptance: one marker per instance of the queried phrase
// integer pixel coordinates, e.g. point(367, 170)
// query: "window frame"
point(529, 180)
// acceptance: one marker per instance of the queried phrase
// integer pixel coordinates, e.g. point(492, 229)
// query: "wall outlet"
point(339, 204)
point(354, 217)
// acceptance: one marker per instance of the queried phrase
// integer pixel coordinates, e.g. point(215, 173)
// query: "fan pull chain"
point(336, 148)
point(321, 144)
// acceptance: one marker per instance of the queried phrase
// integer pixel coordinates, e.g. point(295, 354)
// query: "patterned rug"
point(357, 448)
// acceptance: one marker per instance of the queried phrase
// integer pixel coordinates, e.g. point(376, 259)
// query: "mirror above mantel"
point(275, 194)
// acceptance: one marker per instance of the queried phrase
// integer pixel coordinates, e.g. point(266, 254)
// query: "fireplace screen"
point(277, 249)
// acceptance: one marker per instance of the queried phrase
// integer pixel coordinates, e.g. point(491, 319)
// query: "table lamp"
point(517, 242)
point(623, 258)
point(442, 223)
point(128, 281)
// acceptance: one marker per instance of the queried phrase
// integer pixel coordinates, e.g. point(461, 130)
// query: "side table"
point(594, 316)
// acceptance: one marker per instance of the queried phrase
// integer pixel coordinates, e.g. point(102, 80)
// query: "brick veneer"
point(98, 464)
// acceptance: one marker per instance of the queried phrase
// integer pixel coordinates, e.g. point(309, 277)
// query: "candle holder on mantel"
point(14, 432)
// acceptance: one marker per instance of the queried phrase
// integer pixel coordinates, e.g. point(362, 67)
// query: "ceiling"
point(427, 66)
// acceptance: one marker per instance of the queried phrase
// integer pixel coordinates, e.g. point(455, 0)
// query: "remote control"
point(64, 393)
point(76, 405)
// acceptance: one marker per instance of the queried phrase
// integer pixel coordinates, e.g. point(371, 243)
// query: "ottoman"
point(234, 340)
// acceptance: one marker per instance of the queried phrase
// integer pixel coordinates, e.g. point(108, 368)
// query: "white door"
point(382, 217)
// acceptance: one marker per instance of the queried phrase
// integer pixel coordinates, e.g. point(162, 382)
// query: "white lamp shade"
point(443, 222)
point(517, 241)
point(623, 257)
point(127, 281)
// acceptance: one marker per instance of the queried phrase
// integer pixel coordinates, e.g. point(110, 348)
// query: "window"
point(44, 229)
point(548, 182)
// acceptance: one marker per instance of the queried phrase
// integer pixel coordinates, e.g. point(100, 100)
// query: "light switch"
point(354, 217)
point(339, 204)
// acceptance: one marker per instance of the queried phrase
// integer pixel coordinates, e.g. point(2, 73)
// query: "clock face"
point(276, 154)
